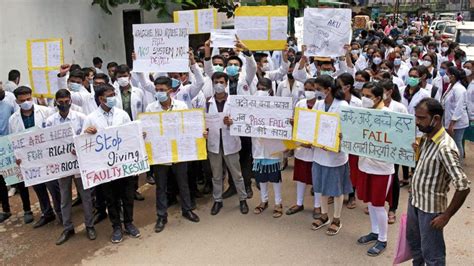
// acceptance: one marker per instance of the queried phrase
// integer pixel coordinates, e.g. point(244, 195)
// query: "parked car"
point(464, 35)
point(447, 33)
point(438, 25)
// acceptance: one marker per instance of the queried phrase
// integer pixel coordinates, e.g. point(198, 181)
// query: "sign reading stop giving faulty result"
point(161, 47)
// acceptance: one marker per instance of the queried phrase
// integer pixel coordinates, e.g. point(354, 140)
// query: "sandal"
point(317, 213)
point(278, 211)
point(334, 228)
point(392, 218)
point(377, 249)
point(294, 209)
point(351, 204)
point(319, 223)
point(366, 210)
point(260, 208)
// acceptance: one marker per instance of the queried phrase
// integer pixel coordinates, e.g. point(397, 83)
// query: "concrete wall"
point(86, 31)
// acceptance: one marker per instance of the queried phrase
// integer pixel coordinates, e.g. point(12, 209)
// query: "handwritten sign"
point(262, 27)
point(215, 121)
point(261, 116)
point(112, 153)
point(378, 134)
point(326, 31)
point(299, 28)
point(197, 21)
point(161, 47)
point(223, 38)
point(321, 129)
point(9, 170)
point(46, 154)
point(45, 56)
point(175, 136)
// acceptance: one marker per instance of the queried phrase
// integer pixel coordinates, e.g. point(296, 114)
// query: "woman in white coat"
point(453, 101)
point(441, 82)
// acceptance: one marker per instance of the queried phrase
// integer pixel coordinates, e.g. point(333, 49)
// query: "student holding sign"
point(31, 115)
point(119, 194)
point(164, 102)
point(374, 183)
point(330, 169)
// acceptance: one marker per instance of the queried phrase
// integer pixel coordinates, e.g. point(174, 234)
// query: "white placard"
point(223, 38)
point(299, 28)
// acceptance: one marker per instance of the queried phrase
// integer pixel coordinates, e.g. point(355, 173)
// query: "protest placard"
point(378, 134)
point(198, 20)
point(9, 170)
point(46, 154)
point(223, 38)
point(321, 129)
point(261, 116)
point(174, 136)
point(299, 29)
point(215, 121)
point(262, 27)
point(45, 56)
point(112, 153)
point(161, 47)
point(326, 31)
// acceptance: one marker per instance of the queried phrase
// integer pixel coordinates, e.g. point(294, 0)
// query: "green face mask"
point(413, 82)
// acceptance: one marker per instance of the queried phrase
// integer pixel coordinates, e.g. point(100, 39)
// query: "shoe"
point(377, 249)
point(11, 192)
point(160, 224)
point(28, 217)
point(76, 202)
point(4, 216)
point(231, 191)
point(44, 220)
point(91, 233)
point(99, 217)
point(190, 215)
point(139, 196)
point(132, 230)
point(117, 235)
point(249, 191)
point(65, 235)
point(150, 180)
point(294, 209)
point(367, 239)
point(216, 207)
point(244, 208)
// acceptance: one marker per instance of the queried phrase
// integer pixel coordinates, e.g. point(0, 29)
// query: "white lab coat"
point(231, 144)
point(470, 100)
point(41, 113)
point(98, 120)
point(420, 95)
point(454, 104)
point(136, 100)
point(82, 98)
point(296, 92)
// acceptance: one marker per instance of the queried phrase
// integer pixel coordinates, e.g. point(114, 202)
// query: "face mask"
point(111, 101)
point(427, 129)
point(397, 61)
point(426, 63)
point(266, 67)
point(367, 102)
point(377, 60)
point(123, 81)
point(218, 68)
point(355, 52)
point(319, 95)
point(74, 86)
point(385, 97)
point(290, 75)
point(261, 93)
point(414, 59)
point(468, 72)
point(64, 107)
point(399, 42)
point(442, 72)
point(444, 49)
point(291, 59)
point(358, 85)
point(175, 83)
point(446, 79)
point(364, 54)
point(413, 82)
point(420, 47)
point(161, 96)
point(310, 95)
point(26, 105)
point(232, 71)
point(91, 81)
point(384, 70)
point(326, 72)
point(219, 88)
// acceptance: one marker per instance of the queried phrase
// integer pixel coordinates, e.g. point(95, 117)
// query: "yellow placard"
point(191, 17)
point(51, 60)
point(271, 13)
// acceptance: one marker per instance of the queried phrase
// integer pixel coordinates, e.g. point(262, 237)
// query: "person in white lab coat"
point(469, 69)
point(13, 81)
point(290, 87)
point(119, 193)
point(222, 147)
point(441, 82)
point(412, 93)
point(74, 81)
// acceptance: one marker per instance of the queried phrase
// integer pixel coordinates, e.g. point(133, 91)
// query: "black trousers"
point(24, 194)
point(161, 174)
point(120, 194)
point(99, 204)
point(246, 162)
point(396, 186)
point(41, 191)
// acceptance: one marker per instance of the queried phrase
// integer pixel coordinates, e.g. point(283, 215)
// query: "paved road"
point(228, 238)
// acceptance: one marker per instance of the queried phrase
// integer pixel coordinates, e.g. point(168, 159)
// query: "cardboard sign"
point(197, 21)
point(9, 170)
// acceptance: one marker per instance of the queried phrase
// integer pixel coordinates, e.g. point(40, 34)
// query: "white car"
point(437, 26)
point(447, 33)
point(464, 35)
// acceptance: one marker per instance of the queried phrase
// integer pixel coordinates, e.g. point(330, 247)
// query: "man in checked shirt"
point(438, 165)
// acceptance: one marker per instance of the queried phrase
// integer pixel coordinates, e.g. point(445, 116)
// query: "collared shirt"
point(75, 118)
point(101, 119)
point(126, 102)
point(437, 166)
point(28, 121)
point(175, 106)
point(109, 116)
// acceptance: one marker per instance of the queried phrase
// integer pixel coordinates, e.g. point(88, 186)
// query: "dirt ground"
point(228, 238)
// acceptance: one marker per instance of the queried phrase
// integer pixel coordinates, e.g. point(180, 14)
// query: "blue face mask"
point(74, 86)
point(442, 72)
point(397, 61)
point(175, 83)
point(161, 96)
point(232, 70)
point(111, 101)
point(399, 42)
point(413, 82)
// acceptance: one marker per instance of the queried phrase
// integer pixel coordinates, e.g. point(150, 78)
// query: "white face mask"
point(219, 88)
point(468, 72)
point(319, 95)
point(123, 81)
point(26, 105)
point(426, 63)
point(367, 102)
point(261, 93)
point(310, 95)
point(358, 85)
point(444, 49)
point(266, 67)
point(446, 79)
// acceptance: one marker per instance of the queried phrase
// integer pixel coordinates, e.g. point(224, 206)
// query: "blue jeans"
point(458, 134)
point(426, 243)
